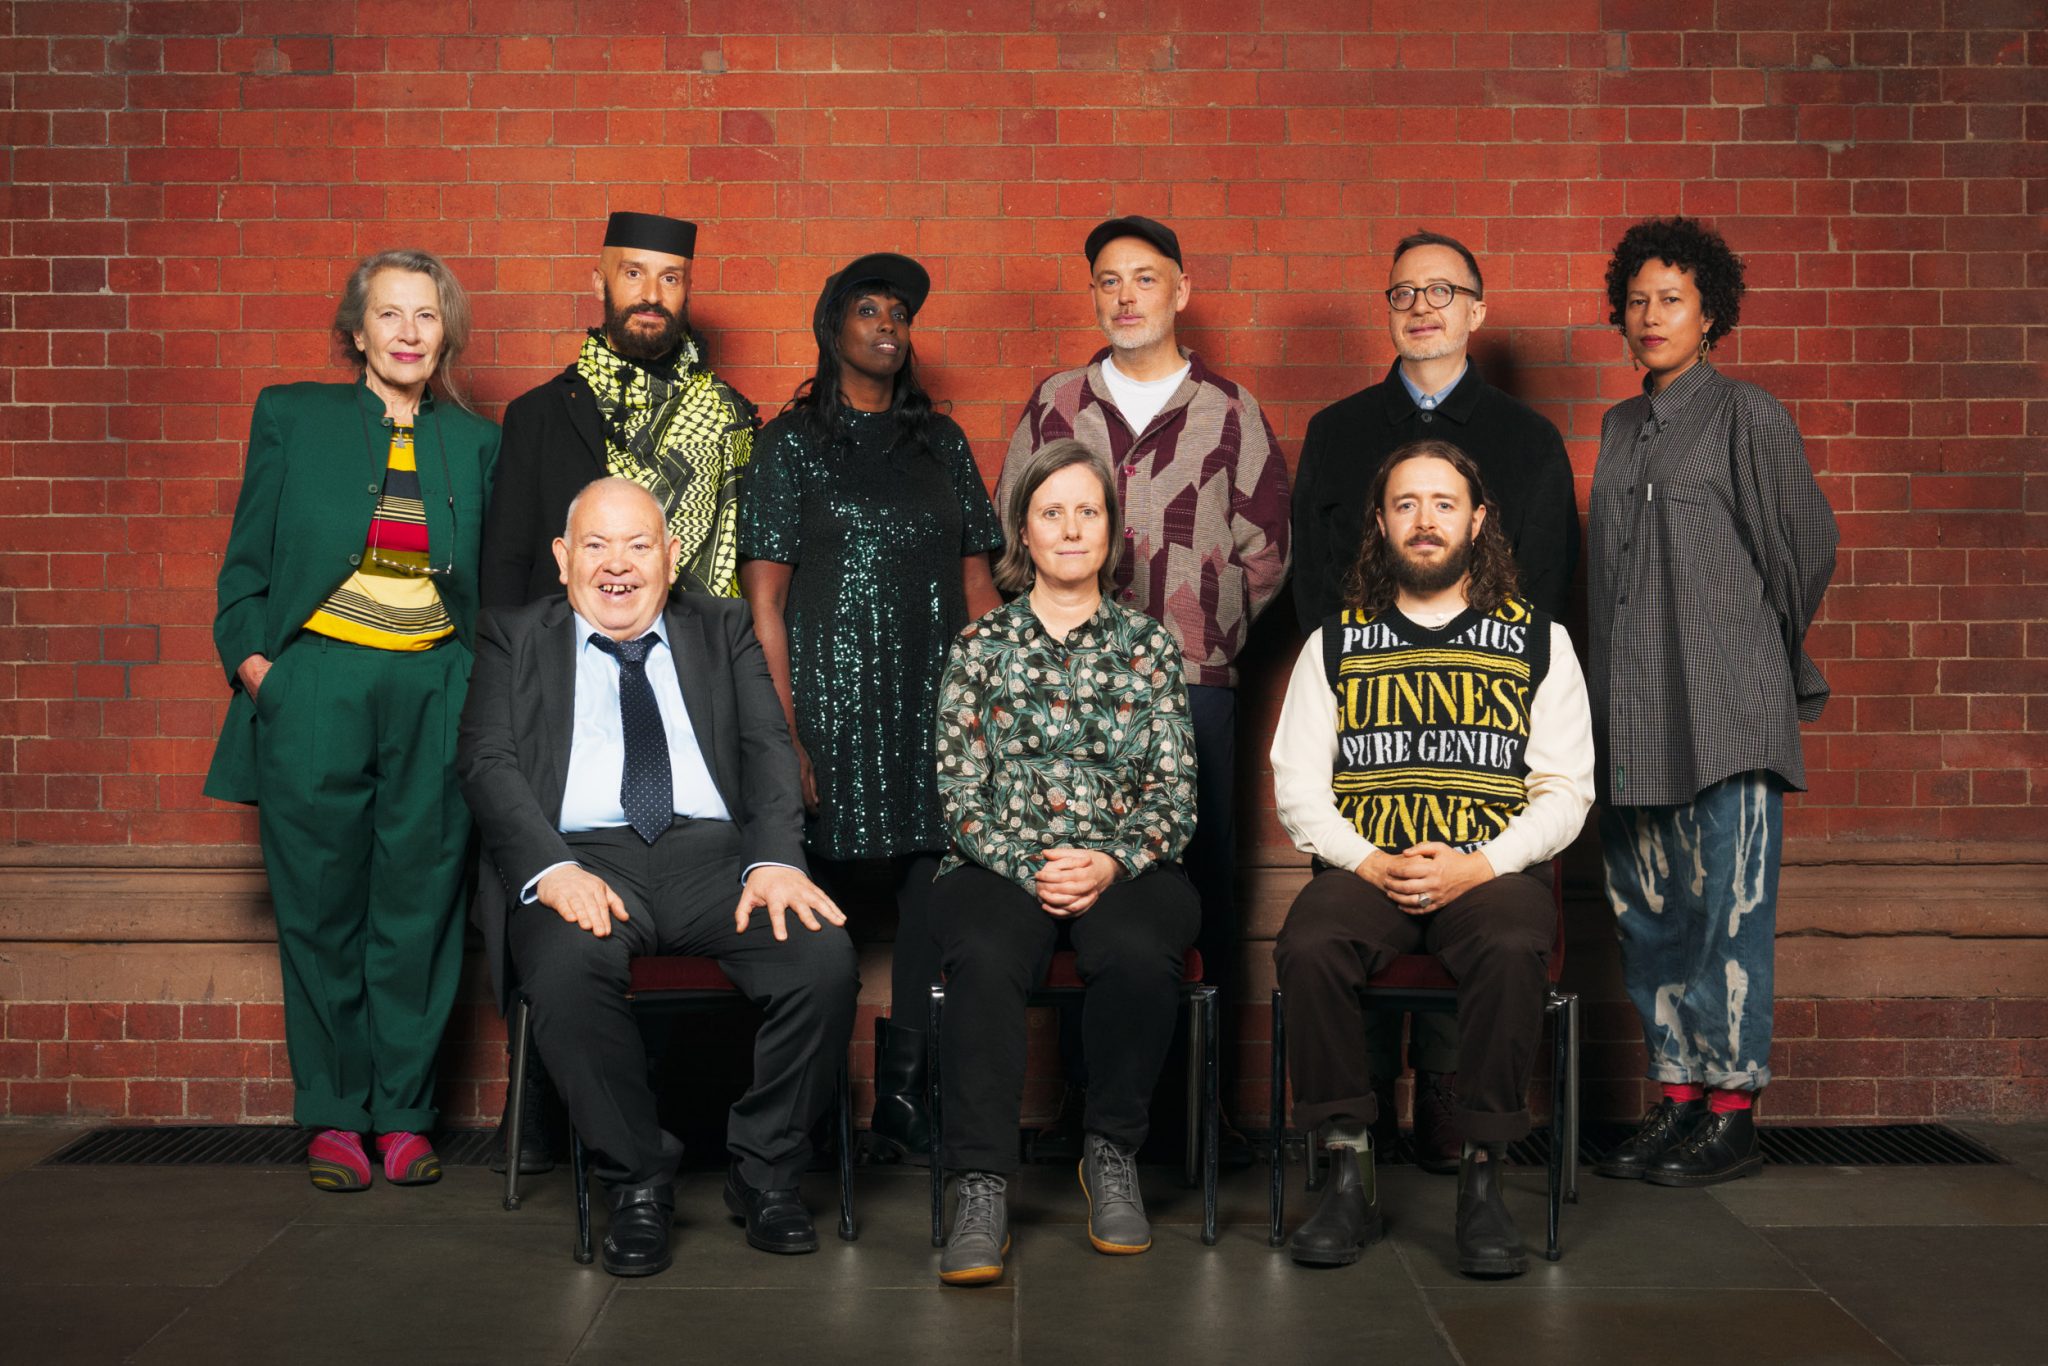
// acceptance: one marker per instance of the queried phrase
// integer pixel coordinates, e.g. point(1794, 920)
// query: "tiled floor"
point(233, 1265)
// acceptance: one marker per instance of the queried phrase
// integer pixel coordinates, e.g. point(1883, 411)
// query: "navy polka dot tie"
point(646, 788)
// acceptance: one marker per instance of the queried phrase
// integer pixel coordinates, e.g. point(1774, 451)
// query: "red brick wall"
point(187, 183)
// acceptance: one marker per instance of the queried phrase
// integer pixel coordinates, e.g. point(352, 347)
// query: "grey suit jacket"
point(513, 751)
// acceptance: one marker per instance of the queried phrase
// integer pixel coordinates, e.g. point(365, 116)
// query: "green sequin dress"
point(876, 537)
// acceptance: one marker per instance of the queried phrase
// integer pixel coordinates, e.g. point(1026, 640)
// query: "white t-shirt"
point(1140, 400)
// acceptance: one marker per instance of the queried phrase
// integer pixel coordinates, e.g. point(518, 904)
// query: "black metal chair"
point(1417, 981)
point(1062, 982)
point(663, 983)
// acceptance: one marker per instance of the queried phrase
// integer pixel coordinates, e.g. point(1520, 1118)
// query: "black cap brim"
point(901, 276)
point(1145, 229)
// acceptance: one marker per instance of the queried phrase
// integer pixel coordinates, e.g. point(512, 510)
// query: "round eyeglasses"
point(1401, 298)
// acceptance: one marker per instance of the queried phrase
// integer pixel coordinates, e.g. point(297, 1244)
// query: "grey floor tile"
point(799, 1324)
point(176, 1225)
point(1957, 1296)
point(2025, 1144)
point(1238, 1301)
point(463, 1195)
point(79, 1325)
point(1621, 1234)
point(1525, 1325)
point(1792, 1197)
point(421, 1294)
point(24, 1145)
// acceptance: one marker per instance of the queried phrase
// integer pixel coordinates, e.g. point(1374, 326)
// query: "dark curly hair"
point(817, 402)
point(1371, 586)
point(1693, 247)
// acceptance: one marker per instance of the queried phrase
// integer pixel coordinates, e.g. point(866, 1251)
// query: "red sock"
point(1723, 1100)
point(1681, 1093)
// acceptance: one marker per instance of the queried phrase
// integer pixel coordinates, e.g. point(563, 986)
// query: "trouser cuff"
point(405, 1121)
point(1310, 1116)
point(329, 1112)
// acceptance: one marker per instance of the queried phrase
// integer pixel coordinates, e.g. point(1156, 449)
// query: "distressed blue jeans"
point(1695, 894)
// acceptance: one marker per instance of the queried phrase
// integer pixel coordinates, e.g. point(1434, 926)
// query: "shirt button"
point(1130, 469)
point(1626, 544)
point(1428, 416)
point(1624, 599)
point(1130, 533)
point(1127, 595)
point(1631, 490)
point(1644, 437)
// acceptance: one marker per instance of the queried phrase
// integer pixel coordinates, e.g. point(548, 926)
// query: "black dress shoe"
point(1438, 1143)
point(1489, 1244)
point(636, 1244)
point(901, 1129)
point(1663, 1128)
point(1345, 1224)
point(1720, 1148)
point(776, 1220)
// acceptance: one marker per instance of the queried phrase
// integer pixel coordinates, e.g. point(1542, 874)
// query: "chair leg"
point(515, 1106)
point(1212, 1108)
point(844, 1106)
point(1190, 1173)
point(581, 1175)
point(1571, 1099)
point(1276, 1198)
point(933, 1018)
point(1554, 1185)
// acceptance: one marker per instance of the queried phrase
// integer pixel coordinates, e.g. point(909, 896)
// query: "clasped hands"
point(583, 898)
point(1425, 877)
point(1069, 880)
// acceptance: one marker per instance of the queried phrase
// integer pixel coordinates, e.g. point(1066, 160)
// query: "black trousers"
point(913, 954)
point(1494, 940)
point(995, 943)
point(680, 894)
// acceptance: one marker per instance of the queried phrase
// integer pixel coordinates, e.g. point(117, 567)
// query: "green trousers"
point(364, 832)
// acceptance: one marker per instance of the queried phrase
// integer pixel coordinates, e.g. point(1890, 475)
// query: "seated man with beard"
point(1434, 753)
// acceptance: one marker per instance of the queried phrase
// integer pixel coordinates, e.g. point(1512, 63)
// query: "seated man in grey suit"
point(625, 755)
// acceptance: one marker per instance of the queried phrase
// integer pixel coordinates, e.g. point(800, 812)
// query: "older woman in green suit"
point(347, 601)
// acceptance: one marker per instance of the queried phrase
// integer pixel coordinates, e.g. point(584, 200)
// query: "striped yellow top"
point(380, 606)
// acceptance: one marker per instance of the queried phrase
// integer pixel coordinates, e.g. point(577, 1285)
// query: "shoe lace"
point(1703, 1137)
point(1117, 1171)
point(979, 1192)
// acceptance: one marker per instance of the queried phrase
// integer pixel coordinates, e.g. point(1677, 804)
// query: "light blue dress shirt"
point(1427, 402)
point(597, 749)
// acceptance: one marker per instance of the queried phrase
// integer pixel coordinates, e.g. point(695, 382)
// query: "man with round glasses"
point(1435, 301)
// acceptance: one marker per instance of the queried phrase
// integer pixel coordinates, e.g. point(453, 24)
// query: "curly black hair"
point(1693, 247)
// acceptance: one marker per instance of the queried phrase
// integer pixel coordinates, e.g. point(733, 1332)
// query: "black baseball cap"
point(905, 278)
point(1157, 233)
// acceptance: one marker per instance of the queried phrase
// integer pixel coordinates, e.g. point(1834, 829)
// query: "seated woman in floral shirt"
point(1067, 769)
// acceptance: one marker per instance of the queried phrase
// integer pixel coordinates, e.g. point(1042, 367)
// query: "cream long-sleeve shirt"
point(1559, 756)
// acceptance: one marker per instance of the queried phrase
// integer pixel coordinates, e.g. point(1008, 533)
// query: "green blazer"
point(317, 454)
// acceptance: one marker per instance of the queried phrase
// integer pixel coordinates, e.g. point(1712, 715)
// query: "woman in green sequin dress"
point(864, 537)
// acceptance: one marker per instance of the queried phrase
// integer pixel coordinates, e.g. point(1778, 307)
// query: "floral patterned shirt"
point(1081, 743)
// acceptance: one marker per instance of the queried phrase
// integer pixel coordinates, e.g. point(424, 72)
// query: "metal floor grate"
point(233, 1145)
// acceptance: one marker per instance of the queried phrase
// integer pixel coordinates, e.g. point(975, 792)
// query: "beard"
point(1424, 579)
point(635, 345)
point(1443, 345)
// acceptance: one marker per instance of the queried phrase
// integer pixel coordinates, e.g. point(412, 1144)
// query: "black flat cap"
point(903, 277)
point(652, 232)
point(1150, 230)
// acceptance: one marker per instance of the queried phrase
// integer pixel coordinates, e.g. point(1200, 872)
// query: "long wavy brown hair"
point(1491, 577)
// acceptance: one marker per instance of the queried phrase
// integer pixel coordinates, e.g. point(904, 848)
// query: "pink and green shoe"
point(409, 1160)
point(336, 1161)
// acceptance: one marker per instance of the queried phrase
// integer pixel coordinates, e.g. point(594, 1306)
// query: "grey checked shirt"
point(1709, 547)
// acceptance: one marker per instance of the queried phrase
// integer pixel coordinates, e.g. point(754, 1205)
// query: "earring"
point(1635, 362)
point(1705, 347)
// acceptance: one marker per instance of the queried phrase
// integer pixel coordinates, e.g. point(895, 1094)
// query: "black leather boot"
point(901, 1130)
point(1720, 1148)
point(1663, 1128)
point(1489, 1244)
point(1437, 1140)
point(536, 1154)
point(1347, 1221)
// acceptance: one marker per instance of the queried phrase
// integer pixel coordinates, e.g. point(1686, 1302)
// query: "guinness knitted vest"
point(1432, 724)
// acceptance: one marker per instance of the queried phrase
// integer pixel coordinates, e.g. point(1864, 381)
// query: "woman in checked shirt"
point(1067, 769)
point(1709, 547)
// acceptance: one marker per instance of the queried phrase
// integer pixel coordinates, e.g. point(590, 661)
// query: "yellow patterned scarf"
point(684, 435)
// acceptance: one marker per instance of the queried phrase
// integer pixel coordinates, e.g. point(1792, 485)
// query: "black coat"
point(513, 750)
point(553, 445)
point(1520, 456)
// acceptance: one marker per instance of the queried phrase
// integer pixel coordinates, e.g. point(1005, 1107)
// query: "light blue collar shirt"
point(1427, 402)
point(597, 752)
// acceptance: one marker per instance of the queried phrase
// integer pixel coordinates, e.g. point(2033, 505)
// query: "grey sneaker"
point(981, 1230)
point(1116, 1211)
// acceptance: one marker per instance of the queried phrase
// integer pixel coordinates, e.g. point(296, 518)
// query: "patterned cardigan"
point(1205, 503)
